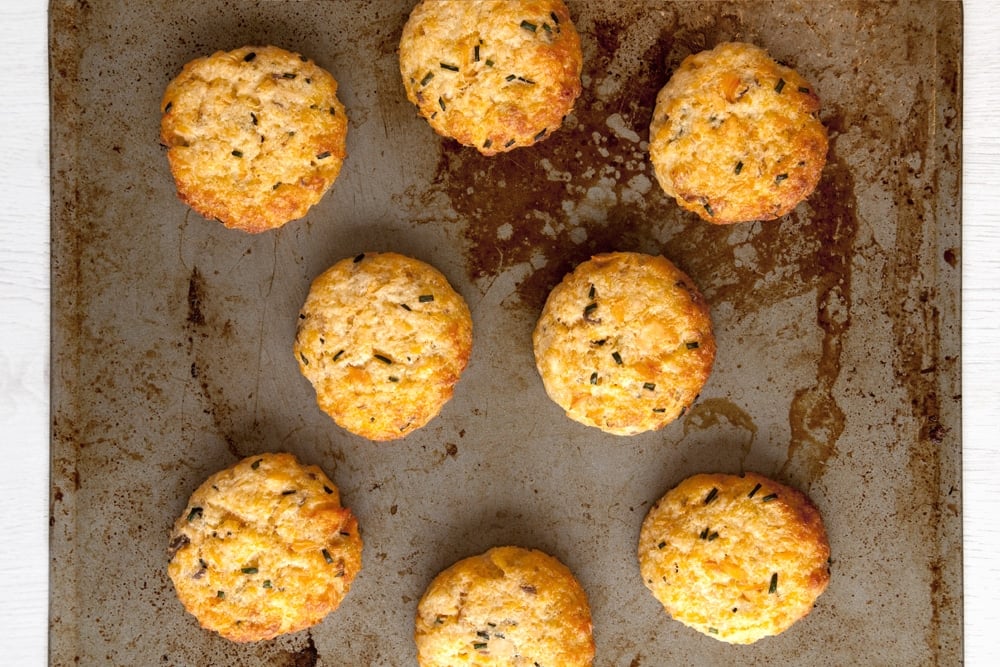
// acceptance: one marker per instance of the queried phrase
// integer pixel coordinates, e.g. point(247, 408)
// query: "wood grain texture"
point(24, 330)
point(981, 326)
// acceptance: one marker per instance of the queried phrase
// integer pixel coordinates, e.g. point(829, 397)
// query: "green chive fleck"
point(489, 63)
point(691, 345)
point(592, 293)
point(441, 103)
point(255, 464)
point(713, 535)
point(288, 75)
point(529, 26)
point(779, 86)
point(384, 359)
point(195, 513)
point(511, 77)
point(237, 153)
point(780, 177)
point(708, 209)
point(661, 544)
point(267, 583)
point(450, 68)
point(803, 89)
point(509, 143)
point(713, 631)
point(588, 309)
point(739, 167)
point(541, 134)
point(220, 594)
point(487, 143)
point(303, 358)
point(425, 298)
point(617, 357)
point(546, 28)
point(338, 355)
point(327, 489)
point(773, 588)
point(659, 409)
point(405, 307)
point(248, 57)
point(704, 534)
point(327, 557)
point(475, 53)
point(555, 17)
point(479, 645)
point(288, 492)
point(769, 498)
point(753, 491)
point(248, 570)
point(427, 78)
point(650, 386)
point(358, 258)
point(393, 378)
point(323, 155)
point(711, 495)
point(166, 109)
point(593, 378)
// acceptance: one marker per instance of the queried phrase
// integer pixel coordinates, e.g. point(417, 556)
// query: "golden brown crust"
point(254, 136)
point(492, 74)
point(736, 558)
point(264, 548)
point(383, 338)
point(735, 136)
point(624, 343)
point(510, 607)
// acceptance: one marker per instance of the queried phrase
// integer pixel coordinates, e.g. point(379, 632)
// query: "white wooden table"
point(24, 331)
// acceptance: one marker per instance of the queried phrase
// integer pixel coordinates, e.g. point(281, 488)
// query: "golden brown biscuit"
point(735, 136)
point(624, 343)
point(736, 558)
point(383, 338)
point(492, 74)
point(254, 136)
point(264, 548)
point(510, 607)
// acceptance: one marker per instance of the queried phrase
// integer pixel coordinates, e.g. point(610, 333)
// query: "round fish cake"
point(383, 339)
point(736, 136)
point(509, 607)
point(492, 74)
point(254, 136)
point(264, 548)
point(624, 343)
point(735, 558)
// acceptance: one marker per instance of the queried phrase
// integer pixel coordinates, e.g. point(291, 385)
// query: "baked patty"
point(254, 136)
point(737, 558)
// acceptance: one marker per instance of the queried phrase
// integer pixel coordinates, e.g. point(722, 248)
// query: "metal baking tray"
point(838, 329)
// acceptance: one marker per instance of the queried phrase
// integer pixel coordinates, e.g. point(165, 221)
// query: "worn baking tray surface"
point(838, 331)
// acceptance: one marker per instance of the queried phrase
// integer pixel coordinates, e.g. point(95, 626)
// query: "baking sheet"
point(838, 331)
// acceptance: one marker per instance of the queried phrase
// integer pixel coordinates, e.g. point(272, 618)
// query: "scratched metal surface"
point(838, 331)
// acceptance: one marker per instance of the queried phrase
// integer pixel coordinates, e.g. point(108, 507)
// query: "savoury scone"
point(254, 136)
point(624, 343)
point(383, 338)
point(492, 74)
point(510, 607)
point(736, 136)
point(264, 548)
point(736, 558)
